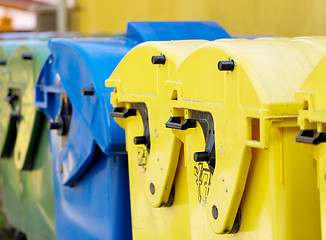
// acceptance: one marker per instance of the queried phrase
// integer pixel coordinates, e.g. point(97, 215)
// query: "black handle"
point(140, 140)
point(118, 112)
point(3, 61)
point(158, 60)
point(15, 117)
point(87, 91)
point(10, 98)
point(27, 56)
point(202, 156)
point(226, 65)
point(174, 123)
point(55, 125)
point(307, 136)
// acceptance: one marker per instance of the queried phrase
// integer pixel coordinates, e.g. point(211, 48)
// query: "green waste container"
point(26, 172)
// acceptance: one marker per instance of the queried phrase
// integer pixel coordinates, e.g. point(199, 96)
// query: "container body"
point(26, 168)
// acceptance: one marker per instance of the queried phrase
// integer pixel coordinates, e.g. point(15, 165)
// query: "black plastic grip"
point(174, 123)
point(55, 125)
point(10, 98)
point(307, 136)
point(27, 56)
point(202, 156)
point(15, 117)
point(140, 140)
point(87, 91)
point(158, 59)
point(118, 112)
point(226, 65)
point(3, 61)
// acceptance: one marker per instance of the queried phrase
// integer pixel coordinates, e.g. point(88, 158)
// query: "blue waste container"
point(90, 165)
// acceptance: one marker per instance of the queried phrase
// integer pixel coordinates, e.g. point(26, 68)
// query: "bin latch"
point(307, 136)
point(121, 113)
point(145, 139)
point(63, 119)
point(174, 123)
point(205, 119)
point(14, 100)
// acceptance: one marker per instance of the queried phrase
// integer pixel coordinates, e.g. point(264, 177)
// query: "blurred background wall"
point(277, 17)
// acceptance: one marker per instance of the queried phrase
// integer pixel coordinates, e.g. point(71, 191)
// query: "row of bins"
point(146, 138)
point(70, 182)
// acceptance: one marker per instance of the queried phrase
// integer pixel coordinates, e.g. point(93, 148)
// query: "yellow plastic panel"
point(312, 117)
point(257, 95)
point(313, 92)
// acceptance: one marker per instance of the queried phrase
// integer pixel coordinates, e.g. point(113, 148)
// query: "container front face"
point(274, 203)
point(259, 179)
point(26, 167)
point(27, 196)
point(95, 204)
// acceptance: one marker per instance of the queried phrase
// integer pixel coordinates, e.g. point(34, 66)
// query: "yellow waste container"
point(211, 140)
point(159, 204)
point(312, 120)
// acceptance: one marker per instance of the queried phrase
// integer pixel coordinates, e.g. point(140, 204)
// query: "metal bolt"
point(220, 152)
point(215, 212)
point(226, 190)
point(61, 168)
point(222, 179)
point(158, 159)
point(223, 151)
point(152, 188)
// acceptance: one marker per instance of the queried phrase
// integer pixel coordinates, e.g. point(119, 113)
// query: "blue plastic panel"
point(167, 31)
